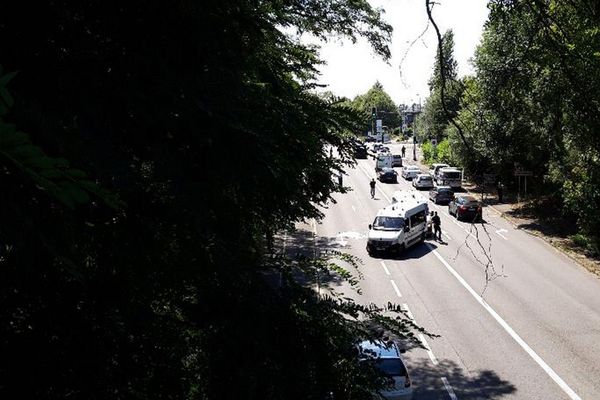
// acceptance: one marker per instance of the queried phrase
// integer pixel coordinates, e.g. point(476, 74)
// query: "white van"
point(383, 160)
point(399, 225)
point(449, 177)
point(433, 171)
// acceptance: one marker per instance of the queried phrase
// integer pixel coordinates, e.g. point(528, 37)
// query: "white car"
point(423, 181)
point(410, 171)
point(386, 358)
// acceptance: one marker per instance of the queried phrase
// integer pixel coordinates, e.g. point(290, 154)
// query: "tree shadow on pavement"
point(428, 384)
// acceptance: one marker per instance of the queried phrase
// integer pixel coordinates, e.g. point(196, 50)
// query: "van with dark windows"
point(449, 176)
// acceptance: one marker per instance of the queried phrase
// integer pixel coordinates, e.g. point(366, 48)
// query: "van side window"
point(418, 218)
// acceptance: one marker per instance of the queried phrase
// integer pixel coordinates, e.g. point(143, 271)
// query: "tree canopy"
point(147, 276)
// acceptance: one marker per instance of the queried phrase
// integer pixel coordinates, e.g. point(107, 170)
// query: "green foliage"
point(386, 108)
point(441, 153)
point(433, 122)
point(201, 117)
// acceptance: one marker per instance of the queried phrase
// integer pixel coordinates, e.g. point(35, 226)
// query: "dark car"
point(387, 175)
point(465, 207)
point(360, 151)
point(441, 195)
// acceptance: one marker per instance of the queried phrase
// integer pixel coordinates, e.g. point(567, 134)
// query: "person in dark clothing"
point(403, 151)
point(437, 230)
point(372, 184)
point(500, 189)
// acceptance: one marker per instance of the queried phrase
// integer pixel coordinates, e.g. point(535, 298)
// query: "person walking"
point(403, 151)
point(372, 184)
point(437, 229)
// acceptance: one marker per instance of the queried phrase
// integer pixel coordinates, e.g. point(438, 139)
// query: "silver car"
point(386, 357)
point(410, 171)
point(423, 181)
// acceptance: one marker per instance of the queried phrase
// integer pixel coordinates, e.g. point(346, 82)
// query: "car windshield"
point(388, 223)
point(425, 178)
point(445, 191)
point(391, 366)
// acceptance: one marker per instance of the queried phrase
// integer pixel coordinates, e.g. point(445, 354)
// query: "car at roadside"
point(396, 160)
point(385, 357)
point(387, 175)
point(410, 171)
point(441, 194)
point(423, 181)
point(465, 207)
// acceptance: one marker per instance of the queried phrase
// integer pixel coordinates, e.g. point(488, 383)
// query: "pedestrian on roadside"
point(341, 179)
point(437, 230)
point(403, 151)
point(372, 184)
point(500, 190)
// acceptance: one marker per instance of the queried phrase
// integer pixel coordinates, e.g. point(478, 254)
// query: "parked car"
point(465, 207)
point(370, 139)
point(441, 194)
point(386, 358)
point(449, 176)
point(376, 146)
point(423, 181)
point(387, 175)
point(410, 171)
point(396, 160)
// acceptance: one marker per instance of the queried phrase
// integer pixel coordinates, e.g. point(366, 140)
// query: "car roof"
point(443, 188)
point(387, 169)
point(467, 197)
point(424, 176)
point(379, 349)
point(450, 169)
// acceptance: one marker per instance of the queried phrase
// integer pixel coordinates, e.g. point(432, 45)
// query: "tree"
point(433, 121)
point(377, 97)
point(200, 118)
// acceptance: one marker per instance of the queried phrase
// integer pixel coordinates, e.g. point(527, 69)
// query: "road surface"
point(532, 332)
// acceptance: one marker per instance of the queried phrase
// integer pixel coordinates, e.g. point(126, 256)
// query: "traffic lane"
point(529, 297)
point(551, 302)
point(379, 288)
point(457, 224)
point(482, 347)
point(450, 361)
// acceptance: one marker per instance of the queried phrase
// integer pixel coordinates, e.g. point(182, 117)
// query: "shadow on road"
point(428, 384)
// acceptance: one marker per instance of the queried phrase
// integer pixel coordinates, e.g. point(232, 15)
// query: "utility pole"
point(373, 118)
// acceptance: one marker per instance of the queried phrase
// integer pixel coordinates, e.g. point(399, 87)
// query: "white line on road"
point(557, 379)
point(353, 208)
point(387, 271)
point(449, 388)
point(429, 352)
point(499, 233)
point(396, 288)
point(404, 306)
point(445, 234)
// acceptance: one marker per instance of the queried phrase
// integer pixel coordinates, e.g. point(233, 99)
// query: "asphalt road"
point(532, 331)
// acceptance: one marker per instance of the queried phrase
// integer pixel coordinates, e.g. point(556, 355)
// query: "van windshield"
point(388, 223)
point(450, 174)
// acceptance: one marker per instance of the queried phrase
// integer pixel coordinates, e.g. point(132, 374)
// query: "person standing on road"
point(500, 189)
point(403, 151)
point(372, 184)
point(437, 230)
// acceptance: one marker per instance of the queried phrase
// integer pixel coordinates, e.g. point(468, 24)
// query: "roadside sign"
point(379, 125)
point(523, 173)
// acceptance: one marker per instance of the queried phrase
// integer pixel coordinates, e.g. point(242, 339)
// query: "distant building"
point(409, 114)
